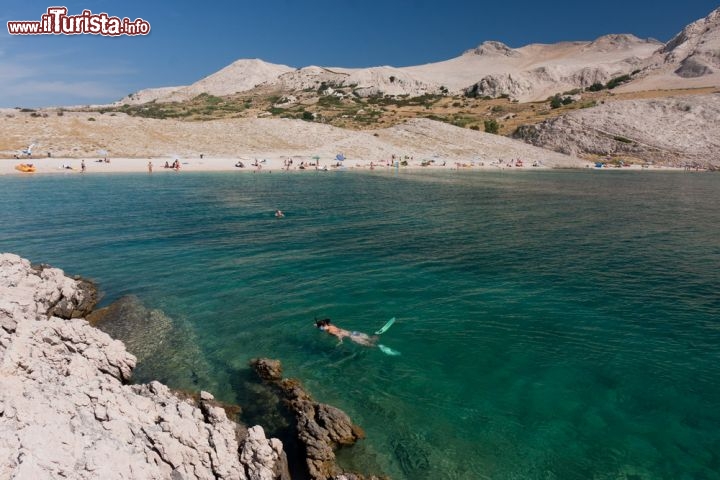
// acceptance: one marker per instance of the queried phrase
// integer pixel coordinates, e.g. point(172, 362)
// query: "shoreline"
point(53, 165)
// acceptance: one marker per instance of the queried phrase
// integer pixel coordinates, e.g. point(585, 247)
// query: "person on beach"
point(82, 165)
point(358, 337)
point(150, 166)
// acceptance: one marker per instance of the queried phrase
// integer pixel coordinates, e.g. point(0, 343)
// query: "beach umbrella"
point(339, 157)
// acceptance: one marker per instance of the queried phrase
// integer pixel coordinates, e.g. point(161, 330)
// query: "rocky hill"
point(675, 131)
point(690, 59)
point(537, 71)
point(239, 76)
point(72, 135)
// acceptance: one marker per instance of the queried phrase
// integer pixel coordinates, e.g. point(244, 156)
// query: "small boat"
point(25, 167)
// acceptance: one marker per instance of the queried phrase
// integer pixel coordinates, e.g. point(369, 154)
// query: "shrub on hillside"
point(617, 81)
point(492, 126)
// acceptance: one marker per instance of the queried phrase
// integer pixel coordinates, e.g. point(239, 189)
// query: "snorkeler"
point(357, 337)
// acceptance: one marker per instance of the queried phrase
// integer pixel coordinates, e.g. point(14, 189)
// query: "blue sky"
point(190, 39)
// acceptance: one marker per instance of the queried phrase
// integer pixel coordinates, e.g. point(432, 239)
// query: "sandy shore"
point(265, 165)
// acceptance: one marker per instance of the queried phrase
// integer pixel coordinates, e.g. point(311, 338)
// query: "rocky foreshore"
point(68, 410)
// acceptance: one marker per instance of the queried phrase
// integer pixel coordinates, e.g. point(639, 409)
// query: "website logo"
point(57, 22)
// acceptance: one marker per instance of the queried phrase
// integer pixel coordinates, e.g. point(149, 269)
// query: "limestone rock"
point(320, 428)
point(66, 410)
point(674, 131)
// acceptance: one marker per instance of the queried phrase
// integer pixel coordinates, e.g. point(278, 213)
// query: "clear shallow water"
point(552, 325)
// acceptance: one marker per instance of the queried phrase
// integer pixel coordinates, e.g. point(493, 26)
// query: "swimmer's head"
point(322, 324)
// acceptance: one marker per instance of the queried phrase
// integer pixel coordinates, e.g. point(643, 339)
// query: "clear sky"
point(190, 39)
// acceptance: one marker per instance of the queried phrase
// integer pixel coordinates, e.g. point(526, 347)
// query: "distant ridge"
point(529, 73)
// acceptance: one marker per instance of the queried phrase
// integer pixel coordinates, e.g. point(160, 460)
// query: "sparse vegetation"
point(622, 139)
point(492, 126)
point(617, 81)
point(472, 109)
point(557, 101)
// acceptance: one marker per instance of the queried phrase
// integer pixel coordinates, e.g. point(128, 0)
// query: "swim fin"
point(386, 326)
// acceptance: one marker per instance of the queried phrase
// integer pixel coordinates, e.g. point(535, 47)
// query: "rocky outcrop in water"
point(320, 428)
point(66, 410)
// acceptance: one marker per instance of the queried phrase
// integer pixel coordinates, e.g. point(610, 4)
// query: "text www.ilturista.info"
point(57, 22)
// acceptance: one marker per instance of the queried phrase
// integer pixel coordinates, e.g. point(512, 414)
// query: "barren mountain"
point(529, 73)
point(690, 59)
point(537, 71)
point(239, 76)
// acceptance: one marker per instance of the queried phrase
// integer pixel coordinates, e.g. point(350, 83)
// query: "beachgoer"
point(167, 165)
point(358, 337)
point(279, 214)
point(150, 166)
point(82, 165)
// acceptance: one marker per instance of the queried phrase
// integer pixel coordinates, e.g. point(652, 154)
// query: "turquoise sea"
point(552, 325)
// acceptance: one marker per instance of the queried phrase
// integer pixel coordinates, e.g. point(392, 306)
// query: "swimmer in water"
point(279, 214)
point(357, 337)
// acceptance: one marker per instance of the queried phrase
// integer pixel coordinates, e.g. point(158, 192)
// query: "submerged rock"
point(166, 349)
point(66, 410)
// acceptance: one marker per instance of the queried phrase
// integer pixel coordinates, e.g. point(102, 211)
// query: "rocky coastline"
point(68, 408)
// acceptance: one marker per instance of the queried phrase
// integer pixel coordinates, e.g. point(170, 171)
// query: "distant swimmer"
point(279, 214)
point(358, 337)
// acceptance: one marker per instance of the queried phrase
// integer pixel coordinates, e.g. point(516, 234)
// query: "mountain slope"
point(529, 73)
point(239, 76)
point(690, 59)
point(678, 130)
